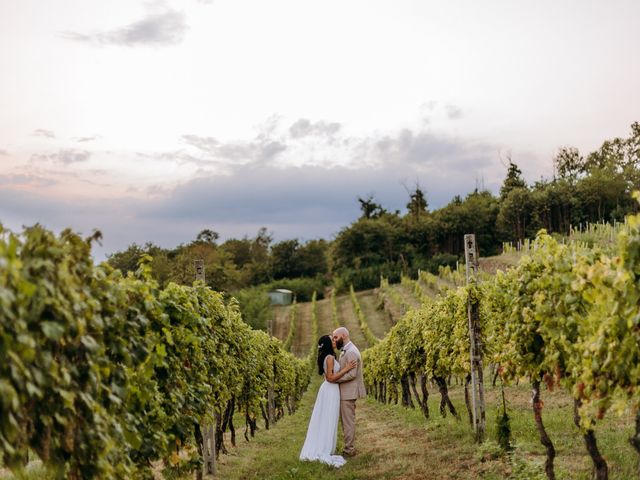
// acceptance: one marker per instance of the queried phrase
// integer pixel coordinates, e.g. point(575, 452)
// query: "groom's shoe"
point(351, 453)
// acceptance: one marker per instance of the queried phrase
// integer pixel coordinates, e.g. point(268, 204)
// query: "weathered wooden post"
point(475, 340)
point(199, 265)
point(208, 431)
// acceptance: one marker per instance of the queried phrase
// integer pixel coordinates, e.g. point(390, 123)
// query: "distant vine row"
point(364, 326)
point(293, 312)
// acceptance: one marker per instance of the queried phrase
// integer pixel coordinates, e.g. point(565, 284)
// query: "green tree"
point(239, 250)
point(475, 214)
point(207, 236)
point(259, 268)
point(515, 214)
point(554, 206)
point(127, 260)
point(417, 205)
point(513, 180)
point(367, 242)
point(603, 195)
point(568, 163)
point(370, 209)
point(284, 259)
point(312, 258)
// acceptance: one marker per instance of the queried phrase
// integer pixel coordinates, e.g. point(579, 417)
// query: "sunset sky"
point(154, 120)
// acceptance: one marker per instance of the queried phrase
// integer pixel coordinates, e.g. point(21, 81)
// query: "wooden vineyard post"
point(208, 431)
point(475, 340)
point(209, 450)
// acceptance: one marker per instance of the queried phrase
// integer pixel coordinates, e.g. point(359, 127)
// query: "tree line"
point(596, 187)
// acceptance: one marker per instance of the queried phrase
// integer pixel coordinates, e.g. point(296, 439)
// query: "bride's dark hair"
point(325, 347)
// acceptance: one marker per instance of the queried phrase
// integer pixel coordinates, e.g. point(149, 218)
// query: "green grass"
point(378, 319)
point(274, 454)
point(395, 442)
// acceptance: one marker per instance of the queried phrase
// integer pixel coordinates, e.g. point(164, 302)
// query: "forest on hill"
point(596, 187)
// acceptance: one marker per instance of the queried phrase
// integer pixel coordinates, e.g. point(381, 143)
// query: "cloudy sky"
point(154, 120)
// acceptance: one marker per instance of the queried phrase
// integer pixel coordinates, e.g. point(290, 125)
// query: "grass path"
point(378, 320)
point(302, 338)
point(398, 443)
point(392, 443)
point(280, 325)
point(347, 318)
point(274, 454)
point(406, 294)
point(325, 320)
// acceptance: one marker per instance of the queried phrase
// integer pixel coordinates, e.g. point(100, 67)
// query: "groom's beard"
point(339, 344)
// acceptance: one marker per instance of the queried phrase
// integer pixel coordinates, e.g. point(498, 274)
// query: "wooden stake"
point(208, 432)
point(475, 342)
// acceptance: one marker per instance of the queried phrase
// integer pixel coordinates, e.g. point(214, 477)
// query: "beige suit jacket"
point(352, 383)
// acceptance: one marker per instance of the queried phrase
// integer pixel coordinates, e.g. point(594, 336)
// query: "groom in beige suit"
point(351, 388)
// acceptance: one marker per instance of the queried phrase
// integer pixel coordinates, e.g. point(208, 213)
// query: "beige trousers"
point(348, 418)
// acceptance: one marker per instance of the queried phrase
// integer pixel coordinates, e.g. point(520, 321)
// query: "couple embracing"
point(342, 386)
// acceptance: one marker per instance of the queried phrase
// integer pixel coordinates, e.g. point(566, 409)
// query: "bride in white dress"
point(322, 434)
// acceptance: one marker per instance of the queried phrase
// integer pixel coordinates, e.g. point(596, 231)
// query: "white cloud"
point(156, 29)
point(41, 132)
point(65, 156)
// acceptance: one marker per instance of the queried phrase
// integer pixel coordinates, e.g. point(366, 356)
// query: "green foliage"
point(513, 180)
point(292, 326)
point(255, 306)
point(367, 242)
point(290, 259)
point(101, 374)
point(417, 205)
point(315, 335)
point(366, 278)
point(514, 217)
point(233, 265)
point(566, 315)
point(568, 163)
point(370, 209)
point(302, 288)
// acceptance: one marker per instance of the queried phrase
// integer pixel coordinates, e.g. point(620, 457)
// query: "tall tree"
point(370, 209)
point(515, 213)
point(568, 163)
point(417, 205)
point(284, 259)
point(207, 236)
point(513, 180)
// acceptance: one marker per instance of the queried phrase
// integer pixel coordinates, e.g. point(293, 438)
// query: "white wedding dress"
point(322, 434)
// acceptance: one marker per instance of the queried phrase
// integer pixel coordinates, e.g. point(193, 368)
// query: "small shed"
point(281, 296)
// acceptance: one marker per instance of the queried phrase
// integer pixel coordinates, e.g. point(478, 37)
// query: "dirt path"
point(325, 321)
point(392, 443)
point(407, 295)
point(347, 318)
point(280, 325)
point(378, 319)
point(302, 338)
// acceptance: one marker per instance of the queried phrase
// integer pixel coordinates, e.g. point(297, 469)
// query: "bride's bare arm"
point(334, 377)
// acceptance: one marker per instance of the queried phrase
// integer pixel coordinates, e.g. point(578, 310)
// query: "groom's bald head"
point(342, 331)
point(341, 336)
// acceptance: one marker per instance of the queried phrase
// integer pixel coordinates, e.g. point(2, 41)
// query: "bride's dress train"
point(322, 434)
